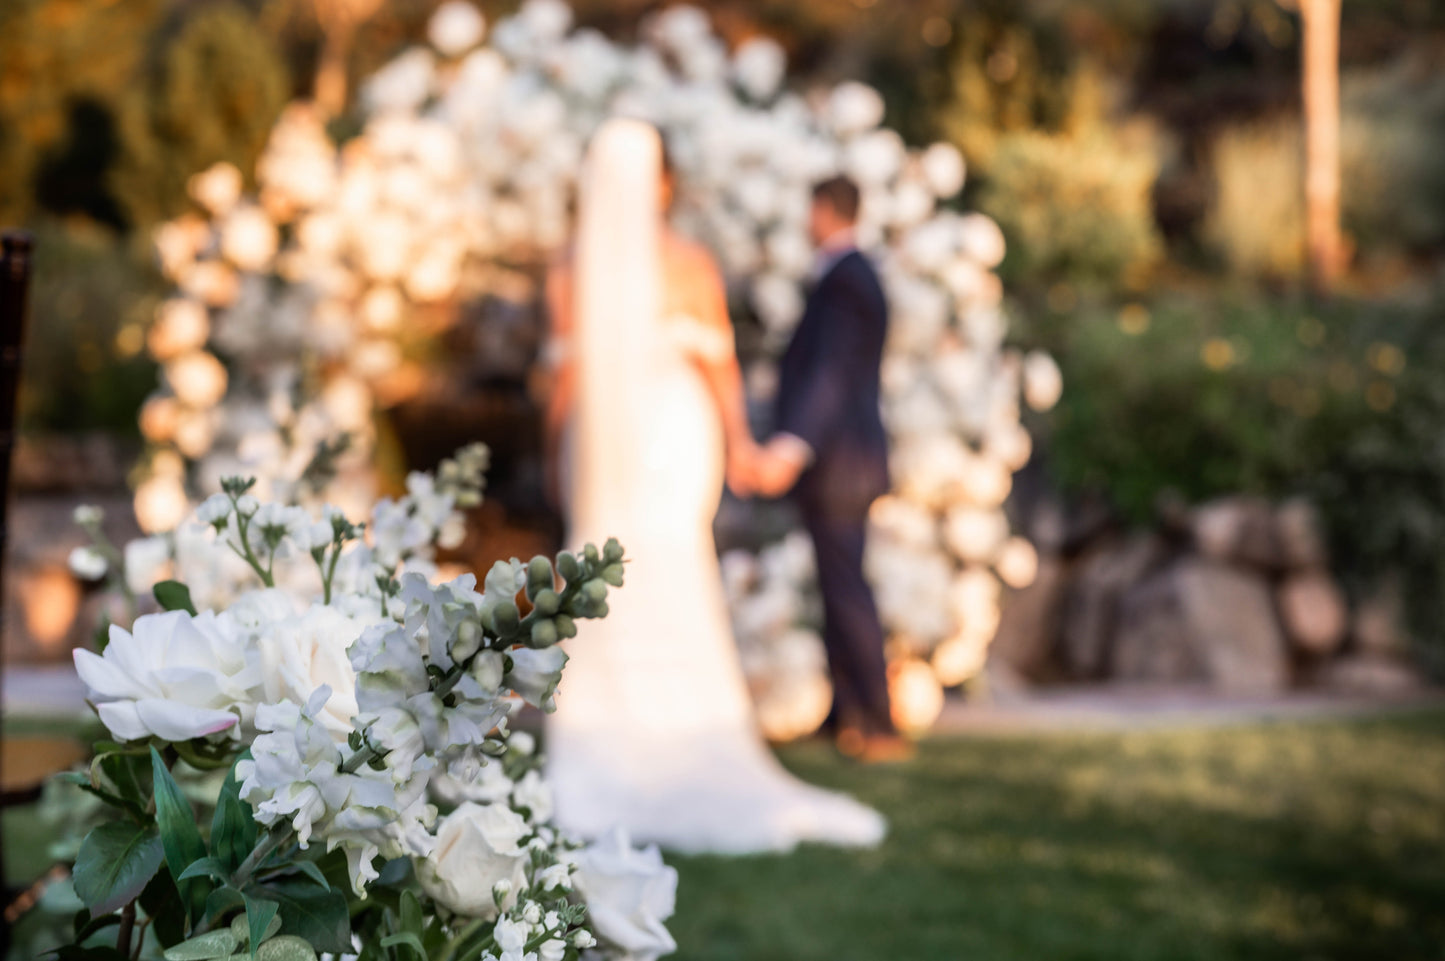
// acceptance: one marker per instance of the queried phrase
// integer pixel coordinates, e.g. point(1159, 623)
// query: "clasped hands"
point(764, 470)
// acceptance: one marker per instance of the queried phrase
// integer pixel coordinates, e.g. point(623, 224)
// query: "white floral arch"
point(464, 170)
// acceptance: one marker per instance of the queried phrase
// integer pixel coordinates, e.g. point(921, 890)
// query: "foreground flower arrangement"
point(373, 800)
point(457, 188)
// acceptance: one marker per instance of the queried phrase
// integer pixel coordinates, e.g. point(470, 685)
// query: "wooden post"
point(1320, 79)
point(15, 265)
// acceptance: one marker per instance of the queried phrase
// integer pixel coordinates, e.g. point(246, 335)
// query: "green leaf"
point(259, 915)
point(310, 870)
point(233, 828)
point(115, 863)
point(412, 921)
point(203, 868)
point(319, 917)
point(179, 835)
point(221, 900)
point(406, 938)
point(85, 925)
point(204, 947)
point(101, 638)
point(241, 928)
point(287, 947)
point(174, 596)
point(161, 902)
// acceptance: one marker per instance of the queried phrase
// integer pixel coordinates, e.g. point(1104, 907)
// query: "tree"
point(1320, 79)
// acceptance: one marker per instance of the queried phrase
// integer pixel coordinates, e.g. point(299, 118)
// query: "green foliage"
point(218, 94)
point(56, 58)
point(1256, 222)
point(1391, 142)
point(1074, 206)
point(180, 836)
point(117, 860)
point(1205, 397)
point(174, 596)
point(84, 366)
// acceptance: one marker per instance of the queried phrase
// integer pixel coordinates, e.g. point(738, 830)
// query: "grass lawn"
point(1318, 841)
point(1315, 841)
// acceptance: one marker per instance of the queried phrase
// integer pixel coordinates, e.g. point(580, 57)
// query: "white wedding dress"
point(654, 728)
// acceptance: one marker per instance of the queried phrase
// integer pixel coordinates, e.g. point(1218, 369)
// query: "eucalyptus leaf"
point(179, 835)
point(174, 596)
point(115, 863)
point(204, 947)
point(287, 947)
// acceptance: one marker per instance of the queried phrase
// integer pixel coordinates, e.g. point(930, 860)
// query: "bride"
point(654, 728)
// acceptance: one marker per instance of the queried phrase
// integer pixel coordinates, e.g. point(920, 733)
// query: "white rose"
point(759, 66)
point(943, 169)
point(171, 675)
point(629, 892)
point(301, 654)
point(477, 847)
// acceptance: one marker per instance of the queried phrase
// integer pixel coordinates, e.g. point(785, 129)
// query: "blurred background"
point(1224, 221)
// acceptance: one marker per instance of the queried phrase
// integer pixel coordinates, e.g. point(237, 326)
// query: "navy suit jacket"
point(828, 392)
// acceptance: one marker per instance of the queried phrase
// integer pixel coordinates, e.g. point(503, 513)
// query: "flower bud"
point(591, 555)
point(501, 890)
point(487, 670)
point(566, 627)
point(612, 574)
point(594, 591)
point(547, 603)
point(539, 576)
point(468, 640)
point(507, 617)
point(612, 552)
point(583, 940)
point(568, 566)
point(544, 634)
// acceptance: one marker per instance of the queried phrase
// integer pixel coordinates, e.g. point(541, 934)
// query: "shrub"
point(1075, 206)
point(1205, 397)
point(1256, 220)
point(217, 96)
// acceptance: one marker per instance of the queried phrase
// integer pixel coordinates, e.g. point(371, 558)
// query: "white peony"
point(477, 846)
point(629, 893)
point(171, 676)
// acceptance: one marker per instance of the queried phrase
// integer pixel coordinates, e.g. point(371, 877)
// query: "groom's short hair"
point(840, 193)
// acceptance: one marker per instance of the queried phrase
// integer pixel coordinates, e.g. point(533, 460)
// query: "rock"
point(1313, 611)
point(1200, 620)
point(1372, 675)
point(1378, 618)
point(1028, 626)
point(1238, 530)
point(1091, 610)
point(1301, 538)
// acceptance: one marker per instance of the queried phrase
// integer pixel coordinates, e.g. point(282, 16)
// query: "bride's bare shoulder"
point(687, 255)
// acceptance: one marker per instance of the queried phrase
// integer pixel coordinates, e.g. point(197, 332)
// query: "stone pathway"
point(1122, 707)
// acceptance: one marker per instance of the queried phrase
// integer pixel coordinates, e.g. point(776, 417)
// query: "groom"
point(831, 450)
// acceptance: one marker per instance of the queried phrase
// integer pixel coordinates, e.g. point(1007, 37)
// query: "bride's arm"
point(724, 379)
